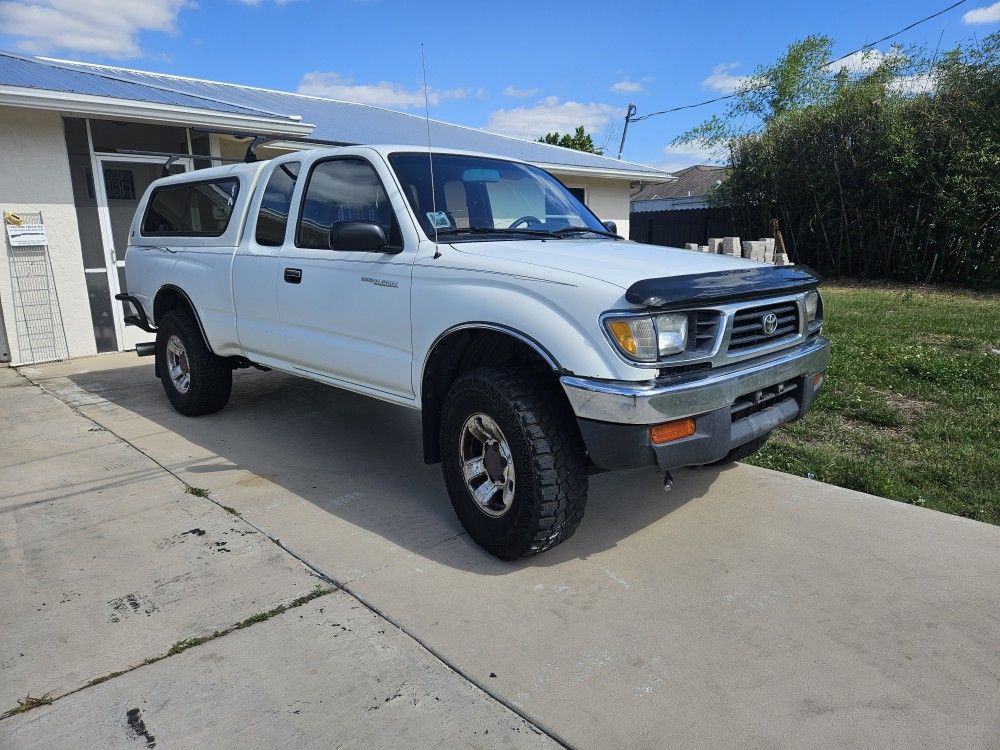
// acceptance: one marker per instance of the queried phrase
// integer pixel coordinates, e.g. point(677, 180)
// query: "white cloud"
point(689, 154)
point(382, 94)
point(722, 80)
point(865, 61)
point(986, 14)
point(95, 27)
point(627, 87)
point(919, 83)
point(514, 91)
point(551, 114)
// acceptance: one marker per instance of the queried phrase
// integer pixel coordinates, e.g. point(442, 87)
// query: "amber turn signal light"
point(664, 433)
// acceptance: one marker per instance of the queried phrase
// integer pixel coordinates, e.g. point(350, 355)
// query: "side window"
point(191, 209)
point(343, 190)
point(273, 215)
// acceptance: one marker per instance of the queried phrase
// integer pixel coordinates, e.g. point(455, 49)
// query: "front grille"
point(748, 325)
point(752, 403)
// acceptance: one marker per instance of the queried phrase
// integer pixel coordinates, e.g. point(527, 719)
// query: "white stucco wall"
point(605, 197)
point(34, 176)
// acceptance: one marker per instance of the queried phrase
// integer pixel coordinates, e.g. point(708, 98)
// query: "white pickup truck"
point(538, 345)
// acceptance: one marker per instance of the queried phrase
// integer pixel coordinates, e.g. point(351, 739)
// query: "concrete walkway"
point(745, 609)
point(109, 565)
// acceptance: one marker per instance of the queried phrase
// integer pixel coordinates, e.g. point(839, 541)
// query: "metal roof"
point(35, 74)
point(335, 121)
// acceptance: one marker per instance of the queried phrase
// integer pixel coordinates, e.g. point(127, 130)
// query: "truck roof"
point(249, 169)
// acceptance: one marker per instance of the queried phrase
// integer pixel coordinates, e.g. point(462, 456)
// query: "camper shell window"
point(191, 209)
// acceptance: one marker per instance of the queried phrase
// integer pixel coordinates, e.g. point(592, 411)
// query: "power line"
point(869, 45)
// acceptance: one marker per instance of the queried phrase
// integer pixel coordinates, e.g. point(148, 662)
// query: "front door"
point(346, 314)
point(122, 182)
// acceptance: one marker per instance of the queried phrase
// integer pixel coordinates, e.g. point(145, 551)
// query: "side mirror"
point(357, 235)
point(611, 226)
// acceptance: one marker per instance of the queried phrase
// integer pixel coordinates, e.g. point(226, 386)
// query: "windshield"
point(476, 197)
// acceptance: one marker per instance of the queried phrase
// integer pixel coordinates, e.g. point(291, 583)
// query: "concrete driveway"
point(747, 608)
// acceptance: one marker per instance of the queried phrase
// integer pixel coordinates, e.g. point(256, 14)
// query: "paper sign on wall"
point(27, 235)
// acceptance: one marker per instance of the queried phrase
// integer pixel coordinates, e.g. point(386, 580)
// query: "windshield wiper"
point(566, 231)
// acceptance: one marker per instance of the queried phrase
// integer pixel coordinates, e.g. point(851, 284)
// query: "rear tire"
point(508, 436)
point(742, 451)
point(195, 380)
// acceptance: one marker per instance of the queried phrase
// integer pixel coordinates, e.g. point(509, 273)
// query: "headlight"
point(812, 306)
point(671, 333)
point(646, 338)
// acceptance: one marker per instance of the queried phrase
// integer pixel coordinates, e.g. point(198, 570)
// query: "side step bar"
point(147, 349)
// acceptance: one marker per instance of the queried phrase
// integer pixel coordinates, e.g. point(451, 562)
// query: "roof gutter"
point(631, 175)
point(104, 106)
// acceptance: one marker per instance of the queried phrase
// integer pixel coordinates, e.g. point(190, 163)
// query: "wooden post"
point(779, 241)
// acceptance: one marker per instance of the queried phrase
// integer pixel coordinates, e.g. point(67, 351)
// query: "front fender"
point(559, 318)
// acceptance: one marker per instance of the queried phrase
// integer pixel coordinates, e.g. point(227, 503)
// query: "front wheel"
point(513, 459)
point(195, 380)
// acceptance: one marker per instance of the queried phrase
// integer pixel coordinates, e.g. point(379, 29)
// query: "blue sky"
point(520, 68)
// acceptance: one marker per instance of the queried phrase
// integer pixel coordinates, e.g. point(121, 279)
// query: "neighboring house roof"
point(691, 182)
point(280, 112)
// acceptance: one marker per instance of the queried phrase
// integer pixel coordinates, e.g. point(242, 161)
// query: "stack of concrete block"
point(715, 245)
point(703, 248)
point(731, 246)
point(691, 246)
point(781, 259)
point(768, 249)
point(754, 250)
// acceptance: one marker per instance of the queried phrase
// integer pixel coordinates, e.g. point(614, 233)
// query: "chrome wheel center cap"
point(487, 466)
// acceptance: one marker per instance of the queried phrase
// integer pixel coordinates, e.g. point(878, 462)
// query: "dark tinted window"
point(191, 209)
point(343, 190)
point(273, 215)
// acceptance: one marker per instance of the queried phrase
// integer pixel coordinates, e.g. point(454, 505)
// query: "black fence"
point(677, 228)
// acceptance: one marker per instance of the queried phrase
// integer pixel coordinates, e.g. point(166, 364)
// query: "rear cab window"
point(272, 217)
point(191, 209)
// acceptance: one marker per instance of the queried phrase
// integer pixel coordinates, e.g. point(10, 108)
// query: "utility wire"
point(864, 48)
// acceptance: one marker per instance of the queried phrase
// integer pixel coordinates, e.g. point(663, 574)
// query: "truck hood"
point(616, 262)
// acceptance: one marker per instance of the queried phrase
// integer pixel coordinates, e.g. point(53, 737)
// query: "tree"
point(881, 165)
point(579, 140)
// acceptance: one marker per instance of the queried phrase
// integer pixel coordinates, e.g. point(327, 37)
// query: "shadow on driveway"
point(354, 457)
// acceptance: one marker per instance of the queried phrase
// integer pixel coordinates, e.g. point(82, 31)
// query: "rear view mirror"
point(481, 175)
point(611, 227)
point(358, 236)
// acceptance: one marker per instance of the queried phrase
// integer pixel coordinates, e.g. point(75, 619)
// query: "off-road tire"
point(211, 377)
point(742, 451)
point(547, 452)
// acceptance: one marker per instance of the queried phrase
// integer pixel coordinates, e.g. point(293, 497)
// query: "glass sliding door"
point(123, 180)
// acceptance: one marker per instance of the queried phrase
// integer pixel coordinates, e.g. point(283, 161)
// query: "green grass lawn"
point(910, 409)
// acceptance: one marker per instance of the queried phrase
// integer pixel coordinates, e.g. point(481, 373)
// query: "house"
point(689, 190)
point(80, 142)
point(677, 212)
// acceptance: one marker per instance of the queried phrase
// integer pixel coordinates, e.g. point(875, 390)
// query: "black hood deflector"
point(717, 287)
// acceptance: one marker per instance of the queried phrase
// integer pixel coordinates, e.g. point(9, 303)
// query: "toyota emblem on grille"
point(770, 323)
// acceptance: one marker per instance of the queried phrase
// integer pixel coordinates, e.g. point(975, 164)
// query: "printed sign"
point(27, 235)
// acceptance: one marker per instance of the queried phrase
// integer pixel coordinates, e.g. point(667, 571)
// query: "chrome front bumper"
point(688, 395)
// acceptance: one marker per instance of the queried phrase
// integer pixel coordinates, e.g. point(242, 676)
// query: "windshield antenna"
point(430, 154)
